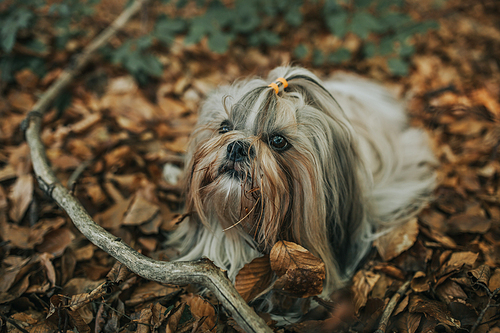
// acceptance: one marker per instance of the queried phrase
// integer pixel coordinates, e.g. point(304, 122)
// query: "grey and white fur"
point(329, 166)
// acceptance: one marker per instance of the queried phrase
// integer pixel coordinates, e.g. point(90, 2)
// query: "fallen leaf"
point(398, 240)
point(362, 284)
point(26, 78)
point(56, 241)
point(465, 223)
point(20, 196)
point(408, 322)
point(459, 260)
point(494, 282)
point(140, 211)
point(21, 101)
point(201, 308)
point(254, 278)
point(174, 317)
point(420, 304)
point(301, 274)
point(450, 291)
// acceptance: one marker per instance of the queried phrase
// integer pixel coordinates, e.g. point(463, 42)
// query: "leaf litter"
point(51, 278)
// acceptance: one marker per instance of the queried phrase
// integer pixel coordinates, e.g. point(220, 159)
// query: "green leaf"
point(166, 29)
point(340, 56)
point(383, 5)
point(36, 45)
point(337, 23)
point(318, 58)
point(406, 50)
point(395, 20)
point(386, 45)
point(301, 51)
point(267, 38)
point(19, 18)
point(218, 42)
point(363, 23)
point(397, 66)
point(196, 33)
point(294, 16)
point(247, 18)
point(363, 3)
point(370, 50)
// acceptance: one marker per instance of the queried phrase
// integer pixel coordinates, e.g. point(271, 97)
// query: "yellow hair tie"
point(282, 80)
point(275, 86)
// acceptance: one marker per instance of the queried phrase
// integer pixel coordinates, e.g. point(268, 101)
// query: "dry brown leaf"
point(494, 282)
point(301, 274)
point(398, 240)
point(148, 243)
point(465, 222)
point(84, 252)
point(450, 291)
point(480, 274)
point(420, 304)
point(285, 255)
point(254, 278)
point(420, 282)
point(434, 220)
point(458, 260)
point(56, 241)
point(171, 108)
point(77, 286)
point(201, 308)
point(148, 291)
point(86, 123)
point(179, 145)
point(8, 172)
point(140, 211)
point(362, 284)
point(144, 320)
point(20, 196)
point(80, 149)
point(26, 78)
point(174, 317)
point(408, 322)
point(21, 101)
point(112, 218)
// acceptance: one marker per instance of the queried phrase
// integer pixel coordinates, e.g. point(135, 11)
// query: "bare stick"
point(204, 273)
point(384, 320)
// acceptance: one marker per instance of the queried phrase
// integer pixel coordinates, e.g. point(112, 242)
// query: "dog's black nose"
point(238, 151)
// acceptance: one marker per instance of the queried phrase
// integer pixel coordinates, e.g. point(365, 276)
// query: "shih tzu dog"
point(327, 165)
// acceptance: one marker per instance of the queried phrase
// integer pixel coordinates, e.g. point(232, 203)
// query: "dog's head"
point(279, 162)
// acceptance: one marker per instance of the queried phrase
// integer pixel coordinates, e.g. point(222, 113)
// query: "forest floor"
point(118, 136)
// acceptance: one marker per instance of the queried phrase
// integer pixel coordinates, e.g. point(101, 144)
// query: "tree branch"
point(384, 320)
point(204, 272)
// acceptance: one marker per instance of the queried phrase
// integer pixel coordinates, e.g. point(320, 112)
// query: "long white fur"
point(394, 168)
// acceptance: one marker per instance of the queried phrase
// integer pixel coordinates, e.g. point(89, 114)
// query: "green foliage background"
point(383, 27)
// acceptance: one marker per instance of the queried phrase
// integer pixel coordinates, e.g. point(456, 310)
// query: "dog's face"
point(277, 166)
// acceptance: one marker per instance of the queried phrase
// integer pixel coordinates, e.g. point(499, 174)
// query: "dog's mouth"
point(234, 170)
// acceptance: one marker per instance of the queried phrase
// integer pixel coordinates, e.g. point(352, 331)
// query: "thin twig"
point(386, 315)
point(203, 272)
point(486, 308)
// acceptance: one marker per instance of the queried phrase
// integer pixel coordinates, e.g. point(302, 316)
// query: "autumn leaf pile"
point(119, 148)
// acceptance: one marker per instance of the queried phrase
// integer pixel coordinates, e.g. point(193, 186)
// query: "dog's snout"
point(238, 151)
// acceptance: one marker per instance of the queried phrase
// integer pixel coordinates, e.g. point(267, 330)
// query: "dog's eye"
point(224, 128)
point(278, 142)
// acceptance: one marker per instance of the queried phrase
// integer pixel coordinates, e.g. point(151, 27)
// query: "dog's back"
point(397, 156)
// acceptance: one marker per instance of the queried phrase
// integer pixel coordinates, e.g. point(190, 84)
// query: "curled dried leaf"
point(398, 240)
point(254, 278)
point(301, 274)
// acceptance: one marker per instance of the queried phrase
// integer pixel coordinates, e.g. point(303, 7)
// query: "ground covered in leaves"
point(111, 145)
